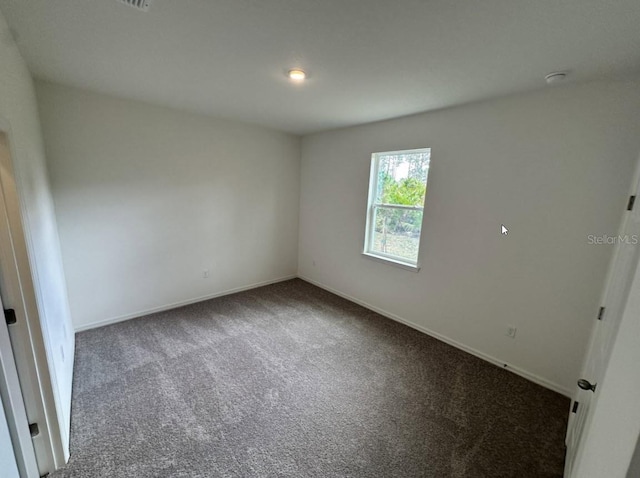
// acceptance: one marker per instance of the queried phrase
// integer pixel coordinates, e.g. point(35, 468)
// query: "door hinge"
point(33, 428)
point(601, 313)
point(10, 316)
point(632, 200)
point(575, 407)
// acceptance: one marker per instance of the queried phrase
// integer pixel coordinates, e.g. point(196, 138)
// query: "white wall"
point(634, 467)
point(147, 198)
point(554, 166)
point(39, 254)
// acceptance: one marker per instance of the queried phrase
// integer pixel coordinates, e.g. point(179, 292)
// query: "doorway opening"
point(25, 383)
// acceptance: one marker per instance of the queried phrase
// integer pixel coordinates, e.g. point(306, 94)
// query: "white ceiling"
point(367, 59)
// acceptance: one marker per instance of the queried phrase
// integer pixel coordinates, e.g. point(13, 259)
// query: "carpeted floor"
point(291, 381)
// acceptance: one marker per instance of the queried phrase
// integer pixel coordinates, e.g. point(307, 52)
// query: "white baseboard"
point(175, 305)
point(518, 371)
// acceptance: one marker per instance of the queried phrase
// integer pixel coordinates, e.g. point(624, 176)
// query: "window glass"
point(396, 201)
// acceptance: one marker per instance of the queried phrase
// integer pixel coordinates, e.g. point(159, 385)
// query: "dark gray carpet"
point(291, 381)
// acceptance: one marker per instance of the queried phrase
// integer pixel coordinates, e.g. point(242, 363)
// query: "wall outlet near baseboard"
point(511, 331)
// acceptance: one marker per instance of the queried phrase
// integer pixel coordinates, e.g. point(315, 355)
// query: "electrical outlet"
point(205, 274)
point(511, 331)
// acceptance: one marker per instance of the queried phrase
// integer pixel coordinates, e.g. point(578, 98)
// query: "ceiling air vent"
point(142, 5)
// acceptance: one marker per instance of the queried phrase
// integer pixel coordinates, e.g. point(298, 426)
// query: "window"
point(396, 200)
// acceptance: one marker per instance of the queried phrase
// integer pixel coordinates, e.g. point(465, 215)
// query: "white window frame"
point(371, 208)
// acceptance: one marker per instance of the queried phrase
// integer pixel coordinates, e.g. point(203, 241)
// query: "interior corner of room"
point(127, 212)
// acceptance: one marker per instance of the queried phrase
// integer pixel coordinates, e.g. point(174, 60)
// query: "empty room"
point(299, 238)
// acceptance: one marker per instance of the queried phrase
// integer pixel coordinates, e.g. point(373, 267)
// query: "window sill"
point(387, 260)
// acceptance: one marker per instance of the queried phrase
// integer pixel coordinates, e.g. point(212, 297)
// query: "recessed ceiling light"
point(296, 74)
point(555, 77)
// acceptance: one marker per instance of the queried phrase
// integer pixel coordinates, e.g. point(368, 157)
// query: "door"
point(8, 463)
point(617, 288)
point(17, 455)
point(25, 336)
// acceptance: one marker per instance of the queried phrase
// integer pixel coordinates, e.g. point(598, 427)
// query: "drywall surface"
point(634, 467)
point(553, 166)
point(149, 198)
point(38, 252)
